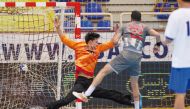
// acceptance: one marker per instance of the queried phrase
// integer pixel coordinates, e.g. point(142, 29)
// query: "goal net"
point(35, 67)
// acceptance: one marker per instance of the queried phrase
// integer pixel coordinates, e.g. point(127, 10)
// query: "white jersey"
point(178, 30)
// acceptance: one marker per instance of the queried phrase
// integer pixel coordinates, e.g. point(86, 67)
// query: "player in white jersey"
point(178, 32)
point(129, 60)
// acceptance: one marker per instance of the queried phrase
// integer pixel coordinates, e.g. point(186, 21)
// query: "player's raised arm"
point(116, 36)
point(63, 35)
point(114, 41)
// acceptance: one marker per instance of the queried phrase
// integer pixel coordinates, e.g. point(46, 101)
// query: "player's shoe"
point(80, 96)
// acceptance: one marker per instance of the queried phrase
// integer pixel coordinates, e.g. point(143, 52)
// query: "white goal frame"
point(77, 29)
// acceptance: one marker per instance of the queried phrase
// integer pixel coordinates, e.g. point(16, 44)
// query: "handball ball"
point(23, 67)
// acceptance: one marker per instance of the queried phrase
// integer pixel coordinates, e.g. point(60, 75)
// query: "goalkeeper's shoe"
point(80, 96)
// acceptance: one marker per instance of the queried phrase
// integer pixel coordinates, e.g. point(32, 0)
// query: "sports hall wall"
point(155, 67)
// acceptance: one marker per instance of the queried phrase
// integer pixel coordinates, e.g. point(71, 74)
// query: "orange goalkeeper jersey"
point(85, 61)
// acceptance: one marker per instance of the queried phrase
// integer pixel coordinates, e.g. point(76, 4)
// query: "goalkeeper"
point(87, 54)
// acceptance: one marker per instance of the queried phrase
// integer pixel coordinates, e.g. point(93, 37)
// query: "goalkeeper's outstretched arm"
point(113, 42)
point(63, 35)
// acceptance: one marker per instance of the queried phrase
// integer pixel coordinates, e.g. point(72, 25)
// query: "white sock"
point(136, 103)
point(89, 91)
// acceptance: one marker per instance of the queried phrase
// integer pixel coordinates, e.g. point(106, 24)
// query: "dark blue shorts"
point(179, 80)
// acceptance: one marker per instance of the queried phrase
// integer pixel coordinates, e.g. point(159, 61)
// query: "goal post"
point(34, 62)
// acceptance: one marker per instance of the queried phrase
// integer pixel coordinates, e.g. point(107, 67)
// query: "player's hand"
point(116, 28)
point(156, 49)
point(57, 22)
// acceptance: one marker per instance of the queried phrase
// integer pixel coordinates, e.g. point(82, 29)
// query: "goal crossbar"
point(76, 6)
